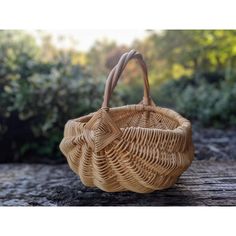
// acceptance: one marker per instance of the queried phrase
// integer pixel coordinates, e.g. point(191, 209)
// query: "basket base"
point(115, 187)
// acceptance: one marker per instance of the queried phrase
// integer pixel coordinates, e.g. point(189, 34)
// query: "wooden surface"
point(205, 183)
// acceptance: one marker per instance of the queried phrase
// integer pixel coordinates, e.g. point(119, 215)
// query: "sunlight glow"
point(84, 39)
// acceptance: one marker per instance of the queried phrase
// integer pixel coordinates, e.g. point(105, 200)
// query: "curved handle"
point(116, 72)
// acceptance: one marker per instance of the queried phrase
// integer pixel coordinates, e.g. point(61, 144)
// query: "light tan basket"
point(140, 148)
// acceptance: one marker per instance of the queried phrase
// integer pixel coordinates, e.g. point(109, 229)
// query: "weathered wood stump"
point(210, 181)
point(206, 183)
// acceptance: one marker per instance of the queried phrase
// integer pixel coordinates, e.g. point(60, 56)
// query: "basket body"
point(152, 149)
point(139, 148)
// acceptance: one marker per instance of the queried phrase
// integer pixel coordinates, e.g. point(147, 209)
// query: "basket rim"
point(182, 134)
point(183, 123)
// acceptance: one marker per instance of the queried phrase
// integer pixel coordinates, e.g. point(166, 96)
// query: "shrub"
point(36, 109)
point(211, 104)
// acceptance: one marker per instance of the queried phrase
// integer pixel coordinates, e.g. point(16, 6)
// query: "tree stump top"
point(205, 183)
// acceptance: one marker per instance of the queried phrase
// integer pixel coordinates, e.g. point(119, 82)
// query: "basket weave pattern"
point(140, 148)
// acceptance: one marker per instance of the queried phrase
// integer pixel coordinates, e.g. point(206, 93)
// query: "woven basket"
point(140, 148)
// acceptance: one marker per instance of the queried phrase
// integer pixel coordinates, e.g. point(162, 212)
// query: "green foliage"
point(36, 102)
point(42, 104)
point(41, 87)
point(97, 57)
point(18, 52)
point(209, 104)
point(173, 54)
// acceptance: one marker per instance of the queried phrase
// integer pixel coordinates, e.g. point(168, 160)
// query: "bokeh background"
point(47, 78)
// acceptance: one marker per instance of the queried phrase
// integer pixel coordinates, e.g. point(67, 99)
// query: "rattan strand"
point(139, 148)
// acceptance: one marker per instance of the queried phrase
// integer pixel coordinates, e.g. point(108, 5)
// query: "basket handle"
point(116, 72)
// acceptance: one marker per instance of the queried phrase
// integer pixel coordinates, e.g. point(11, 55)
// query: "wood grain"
point(205, 183)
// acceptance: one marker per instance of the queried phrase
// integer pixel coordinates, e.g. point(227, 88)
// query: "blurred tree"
point(42, 86)
point(97, 57)
point(18, 53)
point(114, 55)
point(177, 53)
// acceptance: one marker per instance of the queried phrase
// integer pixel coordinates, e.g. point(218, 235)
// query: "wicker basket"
point(140, 148)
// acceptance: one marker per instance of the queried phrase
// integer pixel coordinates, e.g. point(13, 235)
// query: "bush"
point(36, 109)
point(41, 87)
point(38, 96)
point(211, 104)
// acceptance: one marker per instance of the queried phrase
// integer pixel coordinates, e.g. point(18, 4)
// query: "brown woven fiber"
point(139, 148)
